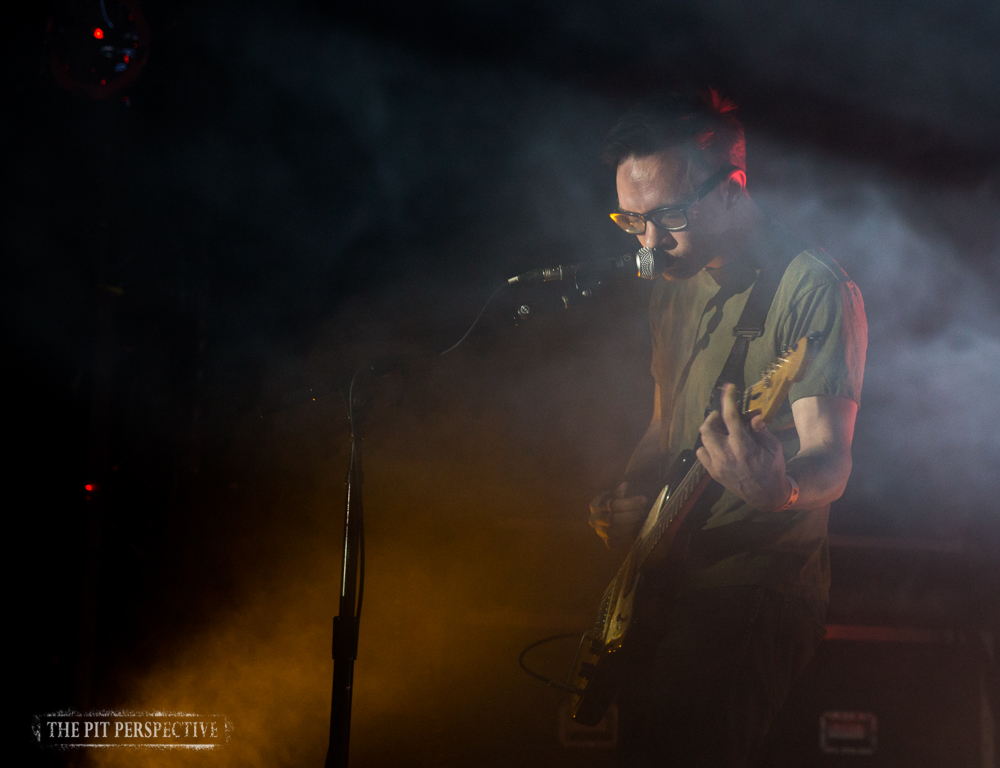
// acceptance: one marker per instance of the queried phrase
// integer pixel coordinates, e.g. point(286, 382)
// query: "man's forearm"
point(643, 468)
point(823, 464)
point(821, 477)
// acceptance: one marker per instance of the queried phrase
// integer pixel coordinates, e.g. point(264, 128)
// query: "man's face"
point(669, 178)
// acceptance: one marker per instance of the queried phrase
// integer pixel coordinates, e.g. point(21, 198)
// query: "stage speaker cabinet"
point(887, 697)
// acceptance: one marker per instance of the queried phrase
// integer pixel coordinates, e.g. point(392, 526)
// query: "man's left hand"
point(744, 457)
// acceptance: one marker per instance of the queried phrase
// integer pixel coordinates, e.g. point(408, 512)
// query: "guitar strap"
point(751, 323)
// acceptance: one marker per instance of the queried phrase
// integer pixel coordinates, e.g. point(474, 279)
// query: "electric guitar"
point(598, 663)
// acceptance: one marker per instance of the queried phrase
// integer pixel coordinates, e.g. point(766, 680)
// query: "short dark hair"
point(703, 122)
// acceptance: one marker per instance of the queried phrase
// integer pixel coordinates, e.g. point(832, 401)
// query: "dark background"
point(290, 189)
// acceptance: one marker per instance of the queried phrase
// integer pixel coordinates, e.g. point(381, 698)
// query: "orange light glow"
point(98, 33)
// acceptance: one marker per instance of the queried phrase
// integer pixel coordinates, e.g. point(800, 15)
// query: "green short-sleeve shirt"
point(692, 331)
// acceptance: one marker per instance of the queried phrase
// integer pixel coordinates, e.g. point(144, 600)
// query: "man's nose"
point(655, 236)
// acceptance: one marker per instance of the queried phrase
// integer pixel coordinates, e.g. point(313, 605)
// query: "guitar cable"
point(550, 681)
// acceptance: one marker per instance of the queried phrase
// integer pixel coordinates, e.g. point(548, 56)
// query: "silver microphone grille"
point(645, 260)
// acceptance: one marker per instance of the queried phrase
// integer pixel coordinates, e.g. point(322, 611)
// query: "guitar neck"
point(664, 530)
point(673, 513)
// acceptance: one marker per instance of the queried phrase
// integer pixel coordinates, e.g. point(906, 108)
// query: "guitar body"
point(600, 662)
point(601, 659)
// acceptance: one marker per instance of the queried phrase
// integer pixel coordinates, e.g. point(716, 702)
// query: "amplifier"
point(884, 697)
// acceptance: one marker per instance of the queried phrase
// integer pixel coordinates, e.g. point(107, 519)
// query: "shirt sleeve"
point(837, 311)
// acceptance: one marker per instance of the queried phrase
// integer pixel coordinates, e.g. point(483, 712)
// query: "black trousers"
point(708, 672)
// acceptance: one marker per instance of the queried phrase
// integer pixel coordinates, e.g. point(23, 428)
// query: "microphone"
point(651, 262)
point(609, 265)
point(647, 263)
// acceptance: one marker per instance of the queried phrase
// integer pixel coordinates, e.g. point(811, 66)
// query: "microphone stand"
point(348, 621)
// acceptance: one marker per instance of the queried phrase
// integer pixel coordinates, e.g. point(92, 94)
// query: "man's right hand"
point(618, 515)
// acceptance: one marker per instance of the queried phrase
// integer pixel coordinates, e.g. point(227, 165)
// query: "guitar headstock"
point(765, 397)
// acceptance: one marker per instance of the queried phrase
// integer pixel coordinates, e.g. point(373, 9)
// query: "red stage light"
point(97, 67)
point(88, 487)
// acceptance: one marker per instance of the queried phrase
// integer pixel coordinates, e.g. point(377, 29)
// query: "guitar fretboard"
point(679, 499)
point(685, 489)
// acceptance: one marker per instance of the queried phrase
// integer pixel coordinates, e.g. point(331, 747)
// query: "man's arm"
point(748, 460)
point(617, 515)
point(643, 469)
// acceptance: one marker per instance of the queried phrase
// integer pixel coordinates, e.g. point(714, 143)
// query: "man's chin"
point(679, 269)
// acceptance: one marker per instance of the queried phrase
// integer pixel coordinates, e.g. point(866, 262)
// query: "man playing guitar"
point(729, 618)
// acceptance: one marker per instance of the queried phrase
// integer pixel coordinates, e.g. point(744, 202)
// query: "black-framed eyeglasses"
point(671, 217)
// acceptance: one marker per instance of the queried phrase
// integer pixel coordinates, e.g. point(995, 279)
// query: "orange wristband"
point(791, 499)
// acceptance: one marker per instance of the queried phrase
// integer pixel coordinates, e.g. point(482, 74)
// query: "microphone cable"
point(355, 459)
point(476, 321)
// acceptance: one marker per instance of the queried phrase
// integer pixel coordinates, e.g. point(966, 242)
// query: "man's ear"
point(736, 187)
